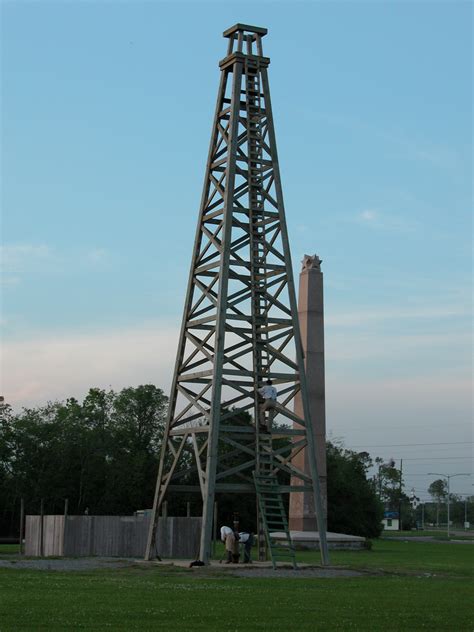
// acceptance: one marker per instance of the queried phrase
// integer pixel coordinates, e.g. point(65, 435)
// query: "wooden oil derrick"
point(240, 322)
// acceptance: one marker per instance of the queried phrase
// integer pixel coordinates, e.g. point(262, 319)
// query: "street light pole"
point(400, 526)
point(449, 505)
point(449, 477)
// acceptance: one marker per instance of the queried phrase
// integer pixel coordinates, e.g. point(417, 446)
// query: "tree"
point(389, 483)
point(353, 504)
point(137, 420)
point(6, 445)
point(101, 454)
point(462, 509)
point(438, 490)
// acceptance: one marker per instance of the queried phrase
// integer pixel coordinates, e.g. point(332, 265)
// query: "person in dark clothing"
point(247, 540)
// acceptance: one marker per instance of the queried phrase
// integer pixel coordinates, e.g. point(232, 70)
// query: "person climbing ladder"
point(268, 395)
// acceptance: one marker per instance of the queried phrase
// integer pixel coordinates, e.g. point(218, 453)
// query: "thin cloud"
point(420, 150)
point(368, 216)
point(19, 259)
point(14, 255)
point(365, 316)
point(48, 368)
point(384, 221)
point(385, 392)
point(399, 352)
point(8, 281)
point(96, 255)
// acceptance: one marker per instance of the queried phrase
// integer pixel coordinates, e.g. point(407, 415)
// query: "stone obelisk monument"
point(311, 317)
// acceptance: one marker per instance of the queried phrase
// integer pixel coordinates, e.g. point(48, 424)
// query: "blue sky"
point(106, 116)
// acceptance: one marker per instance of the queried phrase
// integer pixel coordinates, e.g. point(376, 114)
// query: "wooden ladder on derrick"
point(273, 516)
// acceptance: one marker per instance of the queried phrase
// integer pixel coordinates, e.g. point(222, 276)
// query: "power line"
point(409, 445)
point(409, 425)
point(424, 494)
point(408, 475)
point(439, 458)
point(434, 458)
point(336, 431)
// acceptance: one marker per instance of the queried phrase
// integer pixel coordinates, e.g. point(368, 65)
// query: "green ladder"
point(273, 516)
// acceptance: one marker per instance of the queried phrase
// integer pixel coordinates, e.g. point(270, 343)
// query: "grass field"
point(450, 560)
point(418, 586)
point(9, 548)
point(441, 534)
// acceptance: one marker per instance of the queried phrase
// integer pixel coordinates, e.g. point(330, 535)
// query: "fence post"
point(66, 507)
point(42, 528)
point(22, 524)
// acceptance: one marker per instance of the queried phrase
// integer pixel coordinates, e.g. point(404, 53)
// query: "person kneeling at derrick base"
point(268, 397)
point(231, 541)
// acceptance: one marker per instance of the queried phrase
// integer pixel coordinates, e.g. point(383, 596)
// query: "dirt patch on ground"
point(67, 564)
point(95, 563)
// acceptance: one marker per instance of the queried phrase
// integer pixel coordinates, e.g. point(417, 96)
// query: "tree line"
point(102, 455)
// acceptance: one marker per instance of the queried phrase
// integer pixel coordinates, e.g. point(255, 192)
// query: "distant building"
point(391, 521)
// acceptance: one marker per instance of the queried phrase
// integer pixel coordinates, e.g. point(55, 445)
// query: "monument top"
point(233, 31)
point(311, 262)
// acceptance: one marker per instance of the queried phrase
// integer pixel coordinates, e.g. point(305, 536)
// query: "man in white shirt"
point(231, 545)
point(225, 531)
point(268, 394)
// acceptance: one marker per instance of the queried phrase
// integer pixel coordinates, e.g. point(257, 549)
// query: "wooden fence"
point(123, 536)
